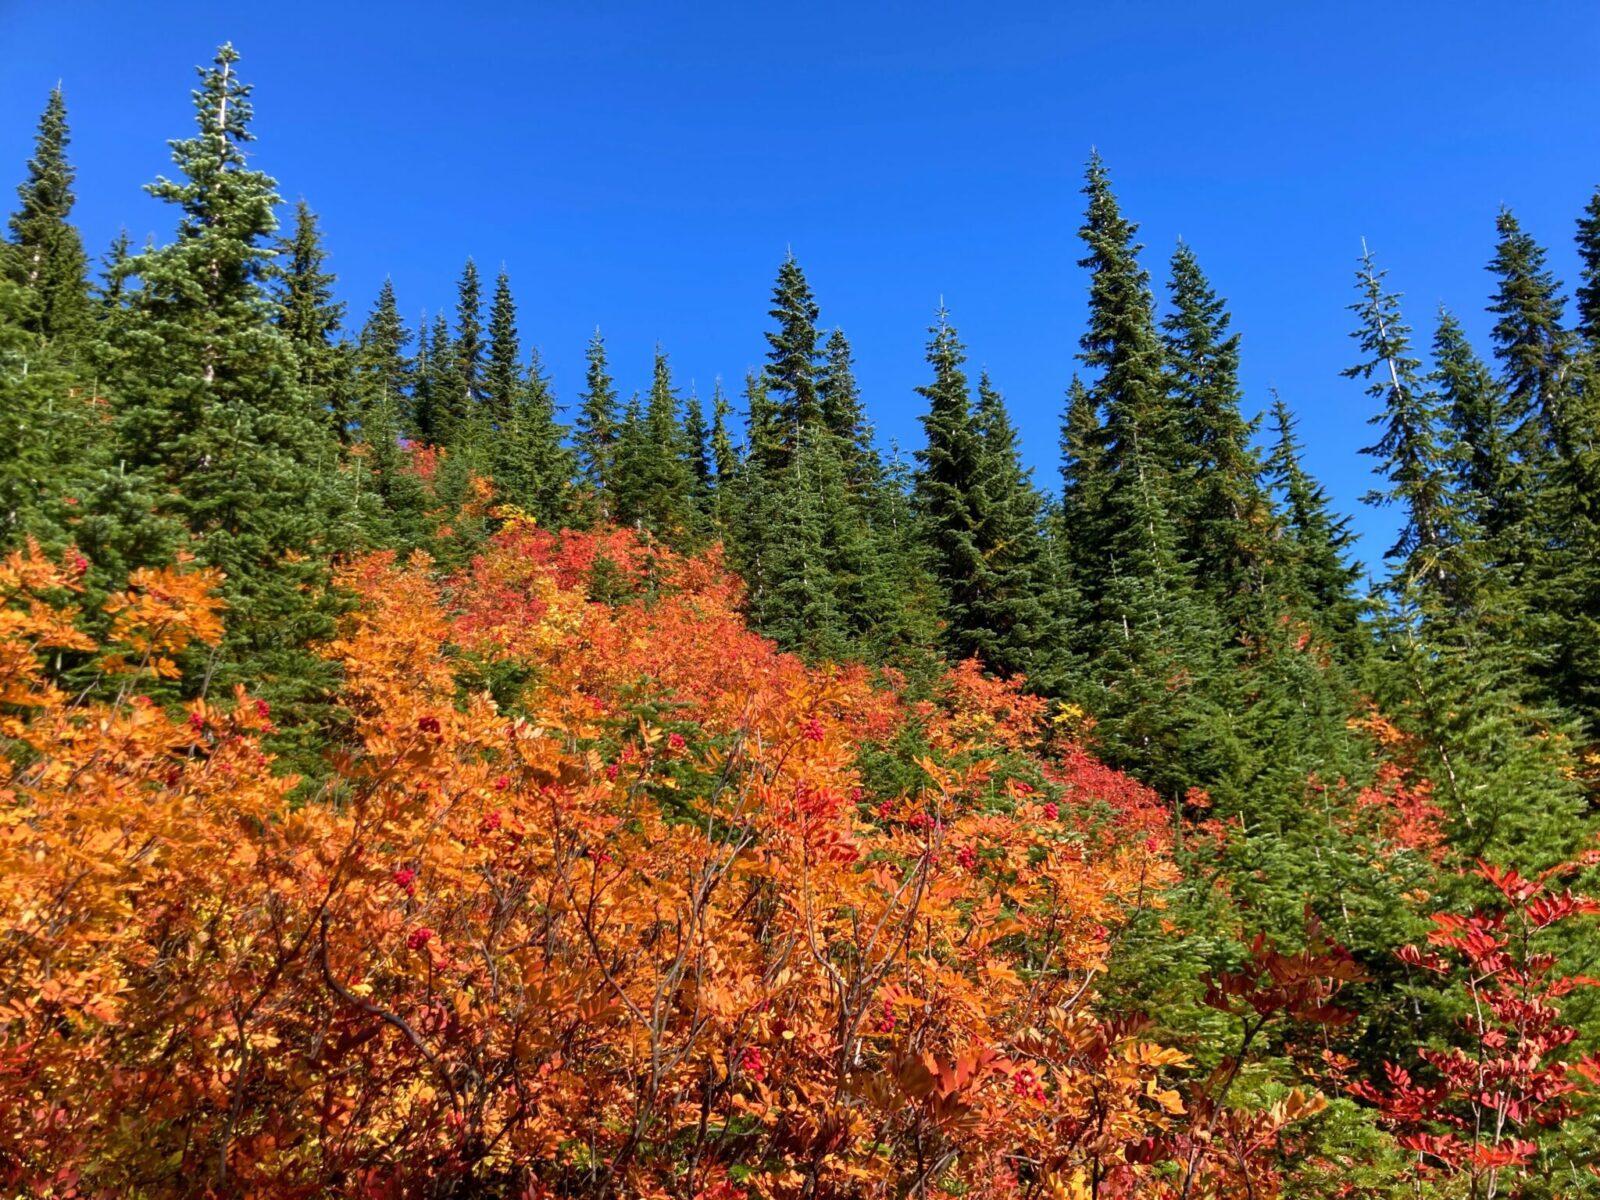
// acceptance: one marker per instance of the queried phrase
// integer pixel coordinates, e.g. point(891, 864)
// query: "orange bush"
point(638, 928)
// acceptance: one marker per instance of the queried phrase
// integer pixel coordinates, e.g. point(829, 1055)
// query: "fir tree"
point(791, 373)
point(697, 439)
point(210, 415)
point(1411, 458)
point(1487, 474)
point(532, 468)
point(1320, 540)
point(311, 319)
point(46, 257)
point(1226, 519)
point(841, 410)
point(502, 377)
point(1588, 293)
point(596, 426)
point(1533, 348)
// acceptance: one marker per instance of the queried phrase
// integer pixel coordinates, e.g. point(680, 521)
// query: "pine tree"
point(791, 373)
point(1588, 292)
point(1016, 618)
point(532, 468)
point(1320, 541)
point(458, 405)
point(653, 480)
point(948, 471)
point(596, 427)
point(841, 411)
point(1226, 520)
point(1427, 552)
point(393, 510)
point(46, 257)
point(209, 414)
point(1487, 474)
point(1148, 641)
point(1533, 348)
point(502, 377)
point(697, 438)
point(311, 319)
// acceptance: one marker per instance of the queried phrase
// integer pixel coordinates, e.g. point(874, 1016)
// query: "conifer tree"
point(697, 439)
point(842, 414)
point(311, 318)
point(1428, 551)
point(1533, 348)
point(1587, 297)
point(1225, 519)
point(45, 257)
point(502, 377)
point(596, 426)
point(458, 405)
point(209, 412)
point(1148, 641)
point(724, 456)
point(791, 372)
point(532, 468)
point(1320, 541)
point(393, 511)
point(653, 477)
point(1487, 474)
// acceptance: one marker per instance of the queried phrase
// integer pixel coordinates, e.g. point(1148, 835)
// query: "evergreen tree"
point(1487, 474)
point(791, 373)
point(842, 414)
point(45, 257)
point(697, 439)
point(1533, 348)
point(1427, 553)
point(210, 415)
point(723, 455)
point(502, 378)
point(653, 478)
point(532, 468)
point(596, 427)
point(1320, 541)
point(1226, 519)
point(394, 506)
point(311, 318)
point(1588, 292)
point(458, 405)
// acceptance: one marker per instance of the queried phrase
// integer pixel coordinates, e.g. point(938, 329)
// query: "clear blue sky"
point(644, 166)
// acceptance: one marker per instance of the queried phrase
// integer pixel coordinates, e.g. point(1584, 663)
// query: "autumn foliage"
point(605, 896)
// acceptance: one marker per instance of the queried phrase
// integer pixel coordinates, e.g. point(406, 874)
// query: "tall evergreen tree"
point(653, 478)
point(311, 318)
point(45, 257)
point(1225, 518)
point(210, 413)
point(502, 376)
point(791, 373)
point(697, 439)
point(1529, 340)
point(1320, 540)
point(1427, 552)
point(532, 467)
point(1587, 296)
point(596, 426)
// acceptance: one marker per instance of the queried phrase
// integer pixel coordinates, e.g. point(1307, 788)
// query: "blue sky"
point(645, 166)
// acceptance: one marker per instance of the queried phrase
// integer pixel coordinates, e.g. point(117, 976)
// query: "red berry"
point(420, 937)
point(263, 709)
point(675, 741)
point(812, 731)
point(1051, 810)
point(501, 783)
point(428, 724)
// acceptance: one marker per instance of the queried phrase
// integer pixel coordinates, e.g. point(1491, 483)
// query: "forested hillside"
point(416, 783)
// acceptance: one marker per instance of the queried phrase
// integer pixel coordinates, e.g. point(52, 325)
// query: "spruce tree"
point(45, 257)
point(1225, 518)
point(841, 410)
point(459, 402)
point(311, 318)
point(653, 479)
point(532, 468)
point(1587, 297)
point(791, 372)
point(393, 509)
point(1427, 552)
point(1320, 541)
point(1487, 473)
point(1533, 348)
point(210, 415)
point(502, 376)
point(596, 427)
point(697, 439)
